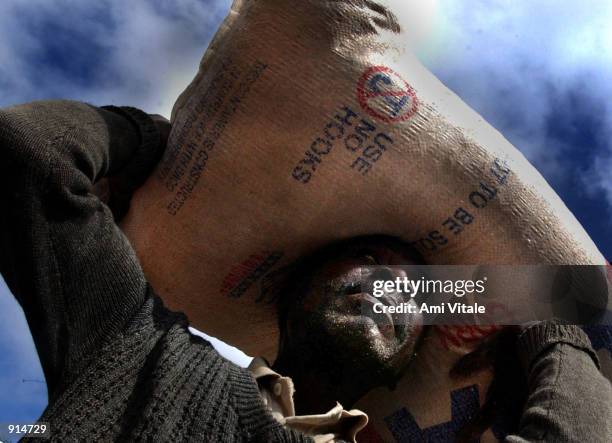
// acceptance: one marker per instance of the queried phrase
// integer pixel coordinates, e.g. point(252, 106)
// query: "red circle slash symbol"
point(385, 95)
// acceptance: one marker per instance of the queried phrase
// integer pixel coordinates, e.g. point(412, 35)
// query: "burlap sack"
point(427, 405)
point(308, 122)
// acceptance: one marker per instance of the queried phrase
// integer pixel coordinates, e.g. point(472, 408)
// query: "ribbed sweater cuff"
point(147, 155)
point(538, 338)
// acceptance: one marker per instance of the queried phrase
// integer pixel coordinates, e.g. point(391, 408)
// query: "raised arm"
point(70, 267)
point(569, 399)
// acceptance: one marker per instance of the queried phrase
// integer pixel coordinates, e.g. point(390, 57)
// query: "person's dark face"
point(336, 314)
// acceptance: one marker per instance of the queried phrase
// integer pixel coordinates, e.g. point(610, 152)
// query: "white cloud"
point(154, 48)
point(517, 58)
point(601, 174)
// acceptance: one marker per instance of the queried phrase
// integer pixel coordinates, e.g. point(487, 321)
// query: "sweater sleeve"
point(569, 399)
point(67, 263)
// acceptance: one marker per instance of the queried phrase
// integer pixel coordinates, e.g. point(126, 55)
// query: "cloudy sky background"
point(539, 70)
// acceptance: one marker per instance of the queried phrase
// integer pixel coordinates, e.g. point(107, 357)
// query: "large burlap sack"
point(308, 122)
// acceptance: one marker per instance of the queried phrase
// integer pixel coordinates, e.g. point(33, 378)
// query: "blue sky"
point(539, 70)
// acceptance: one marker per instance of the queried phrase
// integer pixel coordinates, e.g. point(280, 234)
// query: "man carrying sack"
point(121, 366)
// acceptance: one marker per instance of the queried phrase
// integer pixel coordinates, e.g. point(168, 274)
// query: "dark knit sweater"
point(118, 365)
point(121, 367)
